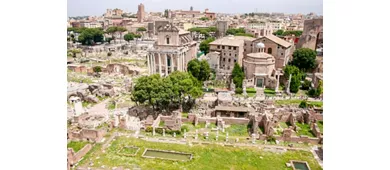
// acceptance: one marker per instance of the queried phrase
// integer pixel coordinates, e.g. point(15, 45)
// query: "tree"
point(237, 75)
point(304, 59)
point(319, 88)
point(90, 36)
point(296, 77)
point(111, 30)
point(306, 85)
point(121, 30)
point(297, 33)
point(199, 69)
point(278, 32)
point(128, 37)
point(141, 29)
point(295, 83)
point(204, 45)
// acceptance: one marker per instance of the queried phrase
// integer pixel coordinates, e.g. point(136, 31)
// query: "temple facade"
point(173, 49)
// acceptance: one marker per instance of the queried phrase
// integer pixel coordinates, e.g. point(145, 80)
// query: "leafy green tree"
point(306, 85)
point(304, 59)
point(279, 32)
point(90, 36)
point(111, 30)
point(295, 83)
point(121, 30)
point(238, 75)
point(199, 69)
point(289, 69)
point(238, 90)
point(204, 45)
point(297, 33)
point(320, 88)
point(128, 37)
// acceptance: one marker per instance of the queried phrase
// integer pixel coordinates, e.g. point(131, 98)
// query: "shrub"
point(149, 129)
point(303, 104)
point(97, 69)
point(109, 54)
point(159, 130)
point(271, 139)
point(185, 127)
point(312, 92)
point(306, 85)
point(238, 90)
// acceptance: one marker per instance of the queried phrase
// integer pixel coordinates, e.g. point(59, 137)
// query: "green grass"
point(161, 124)
point(251, 90)
point(283, 125)
point(249, 95)
point(237, 130)
point(208, 157)
point(320, 125)
point(305, 130)
point(76, 146)
point(111, 106)
point(269, 92)
point(128, 150)
point(297, 102)
point(184, 114)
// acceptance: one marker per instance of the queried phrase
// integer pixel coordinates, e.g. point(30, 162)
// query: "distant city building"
point(222, 27)
point(141, 13)
point(113, 13)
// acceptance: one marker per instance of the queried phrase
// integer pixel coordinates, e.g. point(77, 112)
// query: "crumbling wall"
point(311, 30)
point(73, 157)
point(87, 134)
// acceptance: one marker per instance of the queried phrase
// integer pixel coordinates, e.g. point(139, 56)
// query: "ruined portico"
point(172, 51)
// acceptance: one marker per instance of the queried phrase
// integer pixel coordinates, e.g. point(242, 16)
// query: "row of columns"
point(179, 58)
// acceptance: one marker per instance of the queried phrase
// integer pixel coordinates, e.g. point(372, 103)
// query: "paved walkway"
point(99, 109)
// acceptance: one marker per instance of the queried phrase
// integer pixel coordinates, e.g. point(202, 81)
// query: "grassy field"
point(237, 130)
point(297, 102)
point(269, 92)
point(210, 157)
point(305, 130)
point(76, 146)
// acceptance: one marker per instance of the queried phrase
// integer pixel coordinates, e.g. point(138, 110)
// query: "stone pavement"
point(99, 109)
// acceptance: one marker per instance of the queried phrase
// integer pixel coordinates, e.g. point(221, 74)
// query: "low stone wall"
point(87, 134)
point(73, 158)
point(318, 116)
point(304, 139)
point(186, 120)
point(240, 121)
point(204, 120)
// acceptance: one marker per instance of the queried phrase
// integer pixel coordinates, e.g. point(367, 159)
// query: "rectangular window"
point(224, 54)
point(244, 50)
point(230, 48)
point(282, 53)
point(230, 54)
point(219, 47)
point(234, 48)
point(229, 60)
point(235, 60)
point(235, 55)
point(223, 47)
point(167, 40)
point(223, 60)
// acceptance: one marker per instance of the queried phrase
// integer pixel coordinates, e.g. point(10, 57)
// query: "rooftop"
point(232, 40)
point(260, 55)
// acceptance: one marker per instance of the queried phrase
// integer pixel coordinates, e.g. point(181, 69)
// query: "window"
point(223, 47)
point(244, 49)
point(223, 60)
point(230, 54)
point(235, 60)
point(230, 48)
point(270, 51)
point(224, 54)
point(234, 48)
point(219, 47)
point(244, 44)
point(251, 45)
point(282, 53)
point(235, 55)
point(229, 60)
point(167, 40)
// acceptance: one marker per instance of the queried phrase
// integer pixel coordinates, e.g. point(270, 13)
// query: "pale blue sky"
point(98, 7)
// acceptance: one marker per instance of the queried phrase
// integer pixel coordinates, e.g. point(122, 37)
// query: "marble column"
point(159, 64)
point(154, 63)
point(277, 83)
point(173, 63)
point(148, 58)
point(184, 61)
point(166, 64)
point(178, 62)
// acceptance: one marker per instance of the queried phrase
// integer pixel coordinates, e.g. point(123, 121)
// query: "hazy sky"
point(98, 7)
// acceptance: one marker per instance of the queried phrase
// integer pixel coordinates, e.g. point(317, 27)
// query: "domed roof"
point(260, 45)
point(260, 55)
